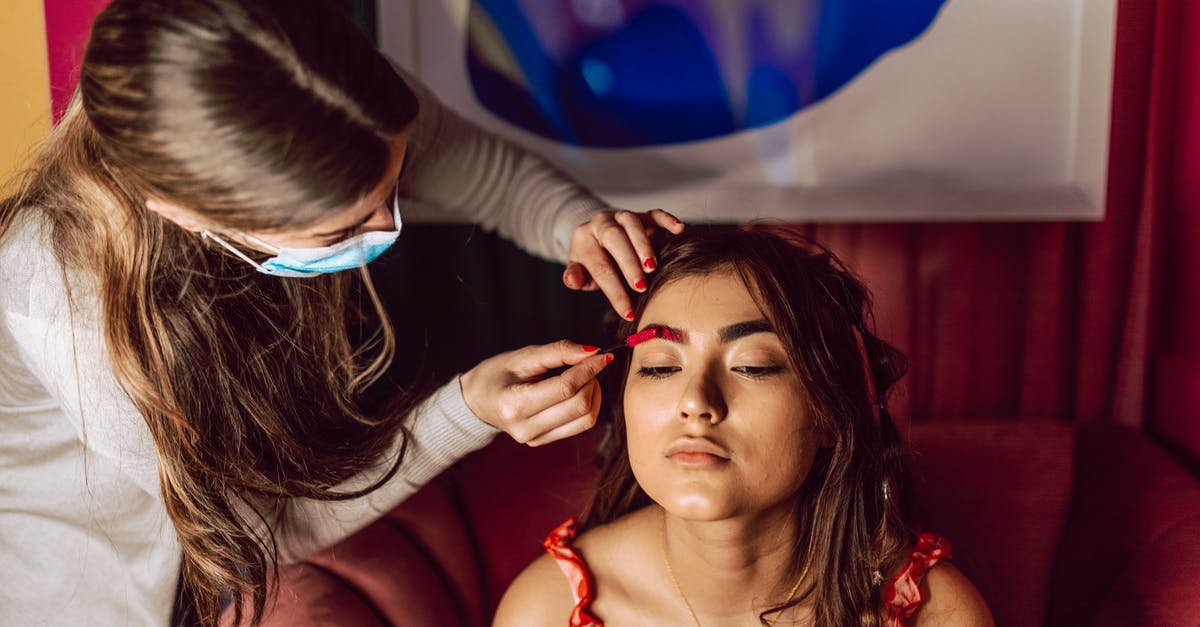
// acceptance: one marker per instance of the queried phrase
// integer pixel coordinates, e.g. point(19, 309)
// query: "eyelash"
point(758, 372)
point(754, 372)
point(657, 372)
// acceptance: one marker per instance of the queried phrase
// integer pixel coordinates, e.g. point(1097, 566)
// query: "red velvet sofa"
point(1056, 525)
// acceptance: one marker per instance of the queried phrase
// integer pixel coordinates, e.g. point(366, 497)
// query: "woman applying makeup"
point(753, 475)
point(188, 328)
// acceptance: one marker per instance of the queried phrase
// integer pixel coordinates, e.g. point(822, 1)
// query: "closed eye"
point(758, 372)
point(657, 372)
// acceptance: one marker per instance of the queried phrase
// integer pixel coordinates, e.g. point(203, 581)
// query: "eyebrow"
point(727, 334)
point(742, 329)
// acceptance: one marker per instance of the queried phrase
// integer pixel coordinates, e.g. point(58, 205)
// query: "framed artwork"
point(799, 110)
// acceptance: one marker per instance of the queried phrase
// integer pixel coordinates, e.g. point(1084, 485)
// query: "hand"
point(620, 236)
point(508, 391)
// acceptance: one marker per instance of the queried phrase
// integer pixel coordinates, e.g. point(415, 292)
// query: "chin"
point(696, 508)
point(699, 499)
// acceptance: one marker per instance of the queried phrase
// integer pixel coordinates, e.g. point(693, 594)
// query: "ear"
point(175, 214)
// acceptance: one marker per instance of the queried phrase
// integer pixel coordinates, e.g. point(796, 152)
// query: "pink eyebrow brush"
point(649, 333)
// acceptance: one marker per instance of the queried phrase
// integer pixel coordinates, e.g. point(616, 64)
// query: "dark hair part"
point(256, 115)
point(852, 506)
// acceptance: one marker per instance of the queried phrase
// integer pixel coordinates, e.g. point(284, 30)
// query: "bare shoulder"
point(540, 595)
point(616, 555)
point(950, 599)
point(617, 535)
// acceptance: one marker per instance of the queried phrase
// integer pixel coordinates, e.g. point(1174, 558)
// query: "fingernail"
point(590, 349)
point(608, 357)
point(641, 284)
point(629, 316)
point(648, 265)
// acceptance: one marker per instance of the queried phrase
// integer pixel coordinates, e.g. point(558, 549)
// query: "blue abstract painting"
point(633, 73)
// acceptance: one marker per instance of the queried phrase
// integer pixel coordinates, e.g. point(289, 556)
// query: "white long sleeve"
point(461, 169)
point(441, 430)
point(84, 535)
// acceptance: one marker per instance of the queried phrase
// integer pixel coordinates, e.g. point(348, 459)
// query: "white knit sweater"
point(84, 536)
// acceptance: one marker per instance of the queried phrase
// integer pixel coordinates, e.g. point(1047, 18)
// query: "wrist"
point(466, 385)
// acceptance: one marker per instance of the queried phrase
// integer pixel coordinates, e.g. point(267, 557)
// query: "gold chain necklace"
point(679, 590)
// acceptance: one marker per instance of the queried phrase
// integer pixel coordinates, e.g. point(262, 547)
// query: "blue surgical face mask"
point(308, 262)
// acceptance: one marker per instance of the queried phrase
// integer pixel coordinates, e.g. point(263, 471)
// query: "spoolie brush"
point(647, 334)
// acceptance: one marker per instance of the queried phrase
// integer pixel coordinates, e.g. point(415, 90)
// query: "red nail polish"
point(641, 284)
point(590, 349)
point(648, 265)
point(629, 316)
point(608, 357)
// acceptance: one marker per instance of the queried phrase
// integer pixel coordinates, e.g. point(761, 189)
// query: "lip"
point(696, 452)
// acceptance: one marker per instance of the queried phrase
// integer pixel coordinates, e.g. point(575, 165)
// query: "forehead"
point(703, 302)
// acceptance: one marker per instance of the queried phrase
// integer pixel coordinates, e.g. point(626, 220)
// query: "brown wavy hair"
point(852, 507)
point(257, 115)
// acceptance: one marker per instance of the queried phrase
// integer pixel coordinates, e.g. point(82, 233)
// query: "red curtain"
point(1055, 321)
point(1175, 348)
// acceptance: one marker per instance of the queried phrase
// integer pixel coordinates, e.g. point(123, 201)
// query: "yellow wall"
point(24, 83)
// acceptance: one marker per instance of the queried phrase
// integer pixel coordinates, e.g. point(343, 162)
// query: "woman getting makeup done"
point(188, 326)
point(752, 475)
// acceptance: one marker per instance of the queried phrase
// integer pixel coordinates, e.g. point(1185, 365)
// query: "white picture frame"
point(1000, 111)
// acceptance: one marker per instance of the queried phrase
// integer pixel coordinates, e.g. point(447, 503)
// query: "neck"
point(730, 567)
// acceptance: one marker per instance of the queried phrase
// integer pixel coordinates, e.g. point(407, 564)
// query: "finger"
point(571, 429)
point(614, 238)
point(569, 417)
point(635, 232)
point(606, 278)
point(533, 361)
point(576, 277)
point(578, 425)
point(536, 397)
point(666, 220)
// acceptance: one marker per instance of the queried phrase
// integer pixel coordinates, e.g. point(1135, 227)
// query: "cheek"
point(639, 426)
point(381, 220)
point(648, 426)
point(792, 457)
point(781, 466)
point(785, 444)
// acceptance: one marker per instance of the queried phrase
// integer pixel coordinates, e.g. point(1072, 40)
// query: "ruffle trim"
point(558, 544)
point(902, 596)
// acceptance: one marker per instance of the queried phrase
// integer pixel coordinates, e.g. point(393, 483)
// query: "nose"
point(702, 399)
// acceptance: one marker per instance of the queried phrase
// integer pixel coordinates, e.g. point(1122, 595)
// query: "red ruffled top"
point(901, 597)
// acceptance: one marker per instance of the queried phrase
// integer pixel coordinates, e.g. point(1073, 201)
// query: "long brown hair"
point(255, 115)
point(851, 508)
